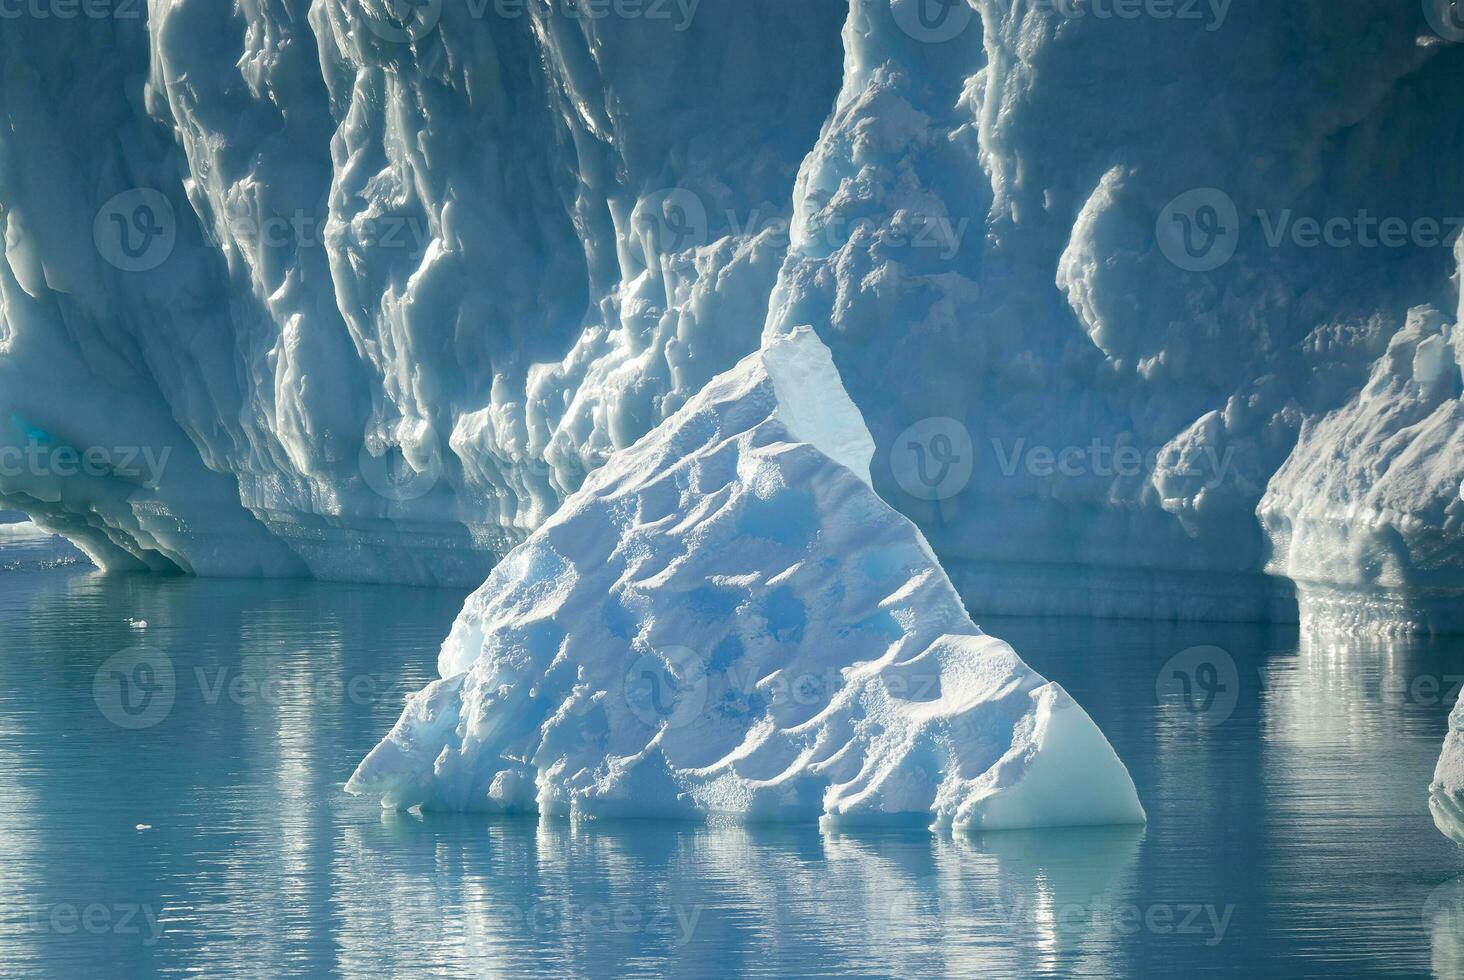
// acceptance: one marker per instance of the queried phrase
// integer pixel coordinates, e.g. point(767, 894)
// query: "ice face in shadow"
point(727, 620)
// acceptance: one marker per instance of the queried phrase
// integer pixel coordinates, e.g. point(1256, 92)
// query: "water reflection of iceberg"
point(518, 894)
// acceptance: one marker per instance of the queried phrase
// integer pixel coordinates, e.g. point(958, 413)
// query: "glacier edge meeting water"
point(382, 298)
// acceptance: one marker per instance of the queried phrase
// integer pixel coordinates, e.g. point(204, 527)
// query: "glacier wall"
point(365, 288)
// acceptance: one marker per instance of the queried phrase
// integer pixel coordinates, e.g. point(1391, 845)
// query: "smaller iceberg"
point(1446, 793)
point(727, 622)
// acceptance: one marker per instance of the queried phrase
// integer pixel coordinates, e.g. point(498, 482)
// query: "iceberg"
point(727, 622)
point(1446, 792)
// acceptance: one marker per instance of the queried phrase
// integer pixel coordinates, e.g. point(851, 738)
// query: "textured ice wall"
point(420, 275)
point(399, 284)
point(1128, 404)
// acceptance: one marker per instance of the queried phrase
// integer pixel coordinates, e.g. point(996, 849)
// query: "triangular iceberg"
point(726, 621)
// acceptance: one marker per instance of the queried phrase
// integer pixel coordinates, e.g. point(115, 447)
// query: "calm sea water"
point(1285, 782)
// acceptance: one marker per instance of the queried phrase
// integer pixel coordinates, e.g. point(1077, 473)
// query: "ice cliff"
point(1150, 308)
point(727, 621)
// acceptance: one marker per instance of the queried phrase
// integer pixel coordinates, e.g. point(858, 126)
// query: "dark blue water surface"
point(1285, 780)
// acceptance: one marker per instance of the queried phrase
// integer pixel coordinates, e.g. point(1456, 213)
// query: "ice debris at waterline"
point(726, 620)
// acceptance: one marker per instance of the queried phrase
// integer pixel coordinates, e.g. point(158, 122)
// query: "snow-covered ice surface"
point(386, 291)
point(727, 621)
